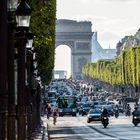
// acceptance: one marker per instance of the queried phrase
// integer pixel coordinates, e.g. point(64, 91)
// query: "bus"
point(67, 105)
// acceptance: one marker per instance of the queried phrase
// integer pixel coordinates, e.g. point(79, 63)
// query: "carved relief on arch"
point(81, 62)
point(82, 46)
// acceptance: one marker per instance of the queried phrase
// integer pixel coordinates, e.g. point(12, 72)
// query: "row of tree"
point(43, 26)
point(123, 70)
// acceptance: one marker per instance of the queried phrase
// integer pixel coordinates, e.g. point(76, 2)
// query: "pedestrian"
point(55, 115)
point(48, 111)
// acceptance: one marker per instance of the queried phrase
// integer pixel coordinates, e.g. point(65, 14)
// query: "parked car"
point(94, 115)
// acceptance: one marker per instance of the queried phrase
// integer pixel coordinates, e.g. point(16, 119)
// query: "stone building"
point(128, 42)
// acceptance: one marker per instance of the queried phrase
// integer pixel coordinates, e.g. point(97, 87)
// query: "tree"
point(43, 26)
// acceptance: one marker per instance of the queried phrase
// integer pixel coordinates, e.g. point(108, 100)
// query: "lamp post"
point(3, 68)
point(23, 13)
point(29, 73)
point(11, 121)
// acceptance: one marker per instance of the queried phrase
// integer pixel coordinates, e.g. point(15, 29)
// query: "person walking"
point(55, 115)
point(48, 111)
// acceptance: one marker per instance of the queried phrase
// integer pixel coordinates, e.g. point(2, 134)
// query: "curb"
point(45, 133)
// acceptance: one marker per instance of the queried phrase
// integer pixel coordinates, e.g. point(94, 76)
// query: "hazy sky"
point(112, 19)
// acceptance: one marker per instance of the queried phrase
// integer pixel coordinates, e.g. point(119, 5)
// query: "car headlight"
point(89, 116)
point(60, 110)
point(74, 110)
point(135, 117)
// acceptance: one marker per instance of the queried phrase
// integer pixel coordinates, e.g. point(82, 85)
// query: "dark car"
point(94, 115)
point(110, 109)
point(129, 99)
point(85, 108)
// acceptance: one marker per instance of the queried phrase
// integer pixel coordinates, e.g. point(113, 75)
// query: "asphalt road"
point(76, 128)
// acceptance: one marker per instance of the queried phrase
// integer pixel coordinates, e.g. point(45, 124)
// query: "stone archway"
point(76, 35)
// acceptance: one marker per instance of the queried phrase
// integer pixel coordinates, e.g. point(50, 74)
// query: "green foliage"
point(124, 70)
point(43, 26)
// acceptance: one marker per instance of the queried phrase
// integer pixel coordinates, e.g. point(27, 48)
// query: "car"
point(110, 109)
point(110, 103)
point(94, 115)
point(85, 108)
point(129, 99)
point(98, 102)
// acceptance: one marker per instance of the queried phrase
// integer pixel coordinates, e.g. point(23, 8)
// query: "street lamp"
point(29, 74)
point(23, 14)
point(29, 57)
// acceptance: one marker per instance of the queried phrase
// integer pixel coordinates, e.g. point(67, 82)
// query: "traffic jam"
point(78, 98)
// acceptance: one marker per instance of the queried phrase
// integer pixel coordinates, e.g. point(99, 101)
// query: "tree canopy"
point(124, 70)
point(43, 27)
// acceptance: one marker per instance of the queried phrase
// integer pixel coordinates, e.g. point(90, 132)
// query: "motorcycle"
point(136, 120)
point(105, 121)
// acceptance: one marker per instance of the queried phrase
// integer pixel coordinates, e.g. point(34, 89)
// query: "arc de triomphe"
point(76, 35)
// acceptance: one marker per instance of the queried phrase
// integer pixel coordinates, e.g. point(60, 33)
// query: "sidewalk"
point(43, 134)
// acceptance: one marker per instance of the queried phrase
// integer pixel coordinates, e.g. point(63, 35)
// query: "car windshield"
point(79, 104)
point(108, 107)
point(98, 106)
point(86, 105)
point(95, 111)
point(67, 103)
